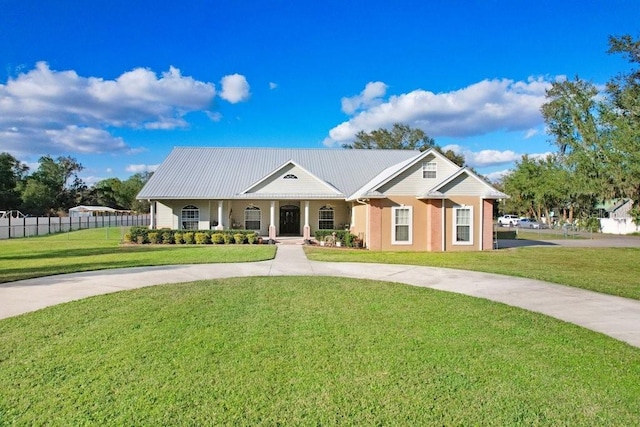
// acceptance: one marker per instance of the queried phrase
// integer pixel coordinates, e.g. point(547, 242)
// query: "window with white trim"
point(463, 225)
point(189, 217)
point(252, 218)
point(289, 176)
point(429, 170)
point(325, 218)
point(401, 231)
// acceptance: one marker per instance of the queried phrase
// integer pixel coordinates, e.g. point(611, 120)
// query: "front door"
point(290, 220)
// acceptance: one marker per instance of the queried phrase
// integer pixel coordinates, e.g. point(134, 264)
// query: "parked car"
point(508, 220)
point(528, 223)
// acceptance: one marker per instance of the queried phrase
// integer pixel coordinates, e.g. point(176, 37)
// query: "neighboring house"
point(616, 217)
point(393, 199)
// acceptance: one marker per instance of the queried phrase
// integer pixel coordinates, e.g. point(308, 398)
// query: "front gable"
point(423, 174)
point(463, 183)
point(291, 179)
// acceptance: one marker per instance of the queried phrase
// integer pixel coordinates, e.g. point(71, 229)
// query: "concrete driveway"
point(614, 316)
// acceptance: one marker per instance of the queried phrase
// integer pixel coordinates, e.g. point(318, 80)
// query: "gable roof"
point(370, 189)
point(437, 191)
point(330, 188)
point(224, 173)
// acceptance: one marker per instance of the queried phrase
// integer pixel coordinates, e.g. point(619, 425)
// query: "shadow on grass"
point(84, 252)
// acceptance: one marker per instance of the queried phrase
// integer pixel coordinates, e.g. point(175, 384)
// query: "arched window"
point(189, 217)
point(325, 218)
point(289, 176)
point(252, 218)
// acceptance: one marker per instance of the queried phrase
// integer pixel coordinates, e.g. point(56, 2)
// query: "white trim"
point(430, 167)
point(409, 225)
point(455, 225)
point(443, 226)
point(481, 236)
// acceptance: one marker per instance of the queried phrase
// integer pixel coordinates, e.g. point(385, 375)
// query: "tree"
point(54, 186)
point(400, 137)
point(12, 173)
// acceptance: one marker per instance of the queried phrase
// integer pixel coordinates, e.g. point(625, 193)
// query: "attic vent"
point(289, 176)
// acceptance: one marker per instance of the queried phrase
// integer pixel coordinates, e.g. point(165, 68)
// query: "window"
point(463, 226)
point(289, 176)
point(190, 216)
point(402, 221)
point(325, 218)
point(252, 217)
point(429, 170)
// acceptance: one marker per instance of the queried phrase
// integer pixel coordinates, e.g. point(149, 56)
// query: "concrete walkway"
point(610, 315)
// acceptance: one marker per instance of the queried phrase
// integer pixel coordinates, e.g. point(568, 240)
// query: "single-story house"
point(392, 199)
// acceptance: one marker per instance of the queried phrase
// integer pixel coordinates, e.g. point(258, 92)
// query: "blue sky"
point(117, 84)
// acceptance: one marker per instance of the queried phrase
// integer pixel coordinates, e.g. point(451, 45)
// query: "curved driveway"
point(614, 316)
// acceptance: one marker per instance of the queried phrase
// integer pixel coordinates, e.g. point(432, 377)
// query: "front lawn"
point(308, 351)
point(101, 248)
point(614, 271)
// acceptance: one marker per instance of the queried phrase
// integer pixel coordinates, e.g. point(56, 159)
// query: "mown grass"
point(308, 351)
point(614, 271)
point(101, 248)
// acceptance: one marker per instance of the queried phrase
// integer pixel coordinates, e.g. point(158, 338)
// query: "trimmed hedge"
point(143, 235)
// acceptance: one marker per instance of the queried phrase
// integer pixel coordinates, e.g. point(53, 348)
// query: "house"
point(393, 199)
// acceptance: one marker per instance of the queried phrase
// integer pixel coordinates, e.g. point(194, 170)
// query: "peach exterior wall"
point(434, 217)
point(376, 210)
point(487, 243)
point(476, 202)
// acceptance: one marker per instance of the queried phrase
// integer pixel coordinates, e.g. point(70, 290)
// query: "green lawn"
point(614, 271)
point(308, 351)
point(101, 248)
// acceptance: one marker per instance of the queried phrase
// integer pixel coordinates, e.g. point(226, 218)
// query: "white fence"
point(618, 226)
point(39, 226)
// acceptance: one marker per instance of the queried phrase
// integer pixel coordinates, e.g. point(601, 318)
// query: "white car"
point(508, 220)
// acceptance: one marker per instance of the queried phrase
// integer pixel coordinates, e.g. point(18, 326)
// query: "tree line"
point(596, 132)
point(55, 187)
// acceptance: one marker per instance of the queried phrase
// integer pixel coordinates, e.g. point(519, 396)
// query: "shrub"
point(178, 237)
point(217, 238)
point(251, 238)
point(202, 238)
point(154, 237)
point(127, 237)
point(167, 237)
point(239, 238)
point(188, 238)
point(343, 236)
point(139, 234)
point(228, 238)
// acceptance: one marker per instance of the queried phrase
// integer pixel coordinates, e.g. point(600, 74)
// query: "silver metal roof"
point(223, 173)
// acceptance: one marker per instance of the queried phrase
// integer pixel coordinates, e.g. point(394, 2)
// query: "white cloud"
point(481, 108)
point(141, 168)
point(530, 133)
point(273, 85)
point(497, 175)
point(370, 96)
point(58, 112)
point(485, 158)
point(235, 88)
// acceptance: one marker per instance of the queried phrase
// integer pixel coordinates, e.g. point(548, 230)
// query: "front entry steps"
point(290, 240)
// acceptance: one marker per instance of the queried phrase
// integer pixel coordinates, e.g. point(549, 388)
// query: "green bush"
point(251, 238)
point(127, 237)
point(217, 238)
point(202, 238)
point(139, 234)
point(167, 237)
point(228, 239)
point(590, 224)
point(178, 237)
point(343, 236)
point(239, 238)
point(154, 237)
point(189, 238)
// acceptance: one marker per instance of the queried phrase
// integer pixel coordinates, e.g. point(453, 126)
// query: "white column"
point(272, 220)
point(306, 231)
point(152, 223)
point(481, 237)
point(220, 225)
